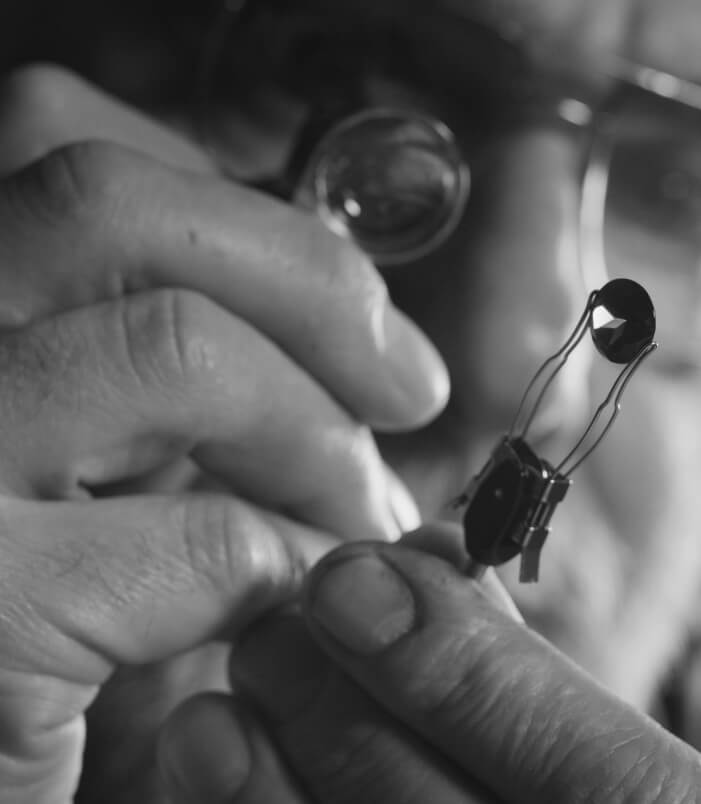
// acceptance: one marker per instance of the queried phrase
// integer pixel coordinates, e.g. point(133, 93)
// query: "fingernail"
point(203, 754)
point(420, 376)
point(362, 602)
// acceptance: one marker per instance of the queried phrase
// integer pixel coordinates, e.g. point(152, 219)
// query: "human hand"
point(99, 176)
point(423, 690)
point(147, 317)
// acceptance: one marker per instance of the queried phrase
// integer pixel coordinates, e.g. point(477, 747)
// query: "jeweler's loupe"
point(509, 503)
point(393, 182)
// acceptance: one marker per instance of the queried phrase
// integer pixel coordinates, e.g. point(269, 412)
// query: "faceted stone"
point(622, 320)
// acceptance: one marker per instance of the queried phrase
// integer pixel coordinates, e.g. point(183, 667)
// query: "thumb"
point(498, 700)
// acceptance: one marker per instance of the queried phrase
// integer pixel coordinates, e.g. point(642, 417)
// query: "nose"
point(515, 291)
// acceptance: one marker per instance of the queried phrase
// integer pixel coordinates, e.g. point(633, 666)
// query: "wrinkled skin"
point(407, 683)
point(125, 386)
point(628, 526)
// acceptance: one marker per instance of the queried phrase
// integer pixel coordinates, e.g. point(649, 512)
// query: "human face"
point(504, 123)
point(503, 292)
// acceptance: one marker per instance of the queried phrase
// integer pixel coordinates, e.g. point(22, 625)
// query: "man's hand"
point(111, 208)
point(150, 313)
point(423, 691)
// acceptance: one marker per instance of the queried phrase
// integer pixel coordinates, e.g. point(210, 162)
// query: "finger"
point(493, 696)
point(447, 541)
point(43, 107)
point(134, 580)
point(86, 587)
point(117, 389)
point(119, 756)
point(212, 751)
point(337, 740)
point(92, 221)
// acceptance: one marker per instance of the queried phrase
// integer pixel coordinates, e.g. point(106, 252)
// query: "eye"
point(656, 185)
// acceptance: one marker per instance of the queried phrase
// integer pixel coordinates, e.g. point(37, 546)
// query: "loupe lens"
point(393, 182)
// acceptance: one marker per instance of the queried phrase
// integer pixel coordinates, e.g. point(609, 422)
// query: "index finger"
point(497, 699)
point(93, 221)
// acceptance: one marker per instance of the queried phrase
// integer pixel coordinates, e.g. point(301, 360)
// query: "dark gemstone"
point(622, 320)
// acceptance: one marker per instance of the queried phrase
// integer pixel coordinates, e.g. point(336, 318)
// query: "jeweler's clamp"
point(509, 505)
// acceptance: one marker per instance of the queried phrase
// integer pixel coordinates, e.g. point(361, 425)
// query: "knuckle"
point(207, 524)
point(79, 183)
point(165, 337)
point(34, 98)
point(234, 549)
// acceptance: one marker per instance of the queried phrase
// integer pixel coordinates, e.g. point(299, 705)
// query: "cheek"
point(646, 472)
point(518, 289)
